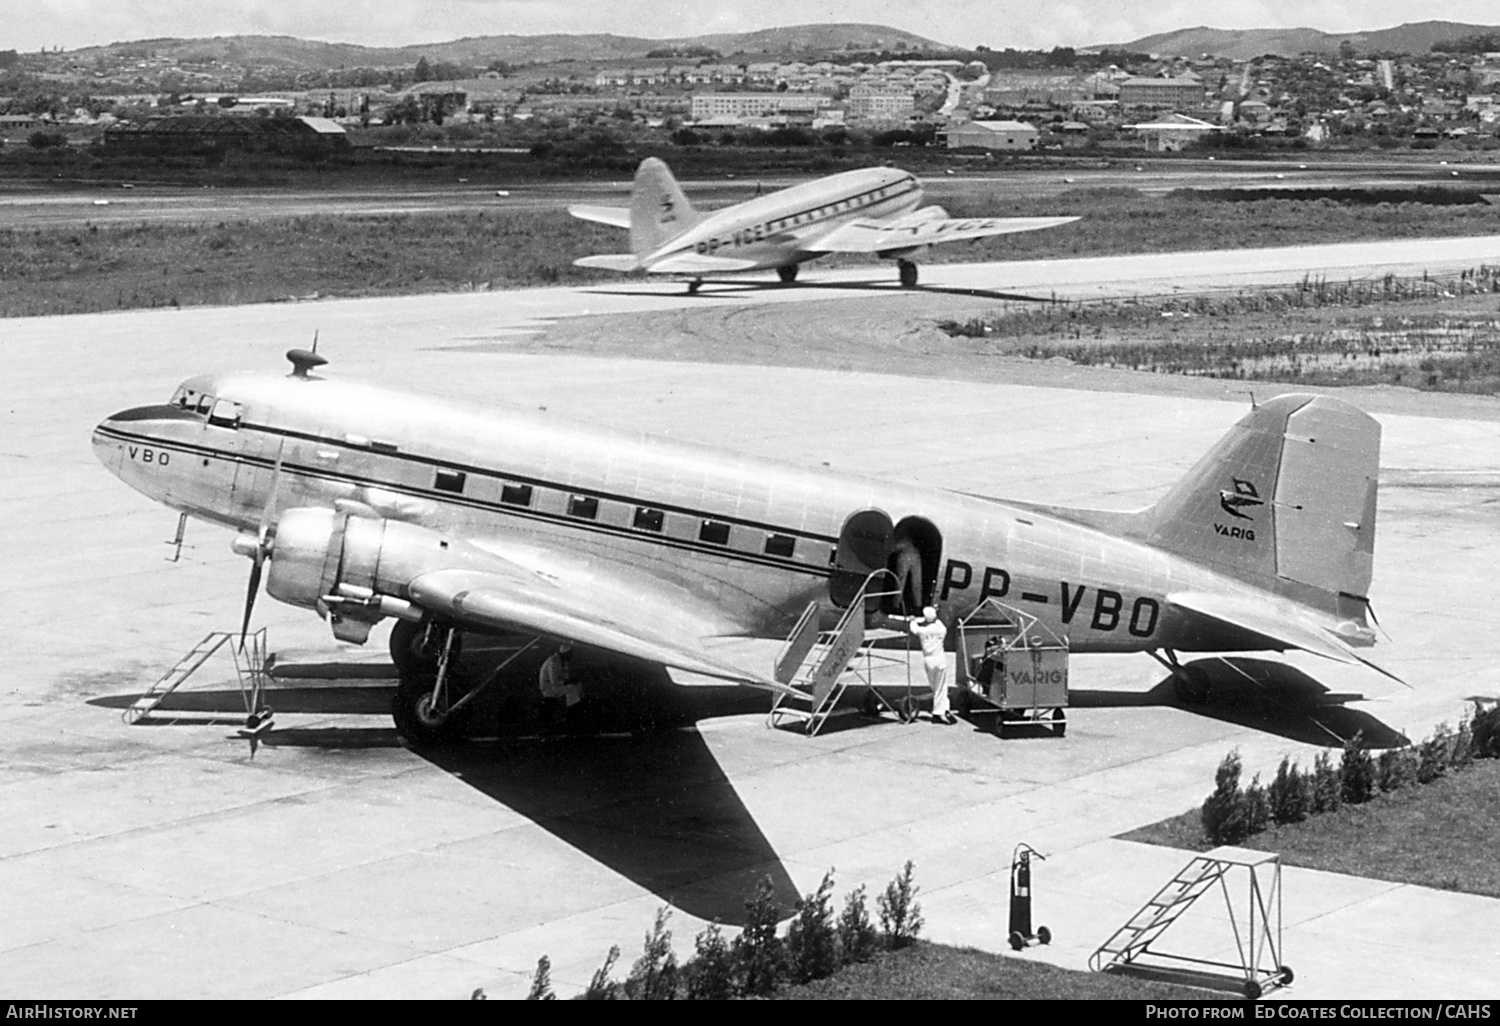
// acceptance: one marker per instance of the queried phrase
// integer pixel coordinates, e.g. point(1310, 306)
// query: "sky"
point(1023, 24)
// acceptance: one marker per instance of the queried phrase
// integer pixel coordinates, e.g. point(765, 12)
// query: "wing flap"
point(525, 602)
point(619, 217)
point(870, 236)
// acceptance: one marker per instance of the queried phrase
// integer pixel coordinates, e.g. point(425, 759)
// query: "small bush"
point(1484, 728)
point(654, 975)
point(900, 914)
point(759, 954)
point(1289, 794)
point(1225, 819)
point(1434, 754)
point(1356, 772)
point(1257, 806)
point(858, 937)
point(601, 987)
point(46, 140)
point(1396, 768)
point(1327, 790)
point(541, 983)
point(710, 975)
point(812, 940)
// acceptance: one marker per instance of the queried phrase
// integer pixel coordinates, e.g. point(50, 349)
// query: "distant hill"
point(287, 52)
point(1243, 44)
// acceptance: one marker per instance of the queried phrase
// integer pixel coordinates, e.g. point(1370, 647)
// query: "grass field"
point(1443, 834)
point(933, 972)
point(93, 267)
point(1436, 335)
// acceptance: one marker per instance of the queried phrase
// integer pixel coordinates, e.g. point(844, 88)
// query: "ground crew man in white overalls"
point(555, 678)
point(931, 633)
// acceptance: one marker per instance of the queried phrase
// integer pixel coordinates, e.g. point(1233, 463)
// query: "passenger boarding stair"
point(817, 664)
point(1262, 916)
point(249, 651)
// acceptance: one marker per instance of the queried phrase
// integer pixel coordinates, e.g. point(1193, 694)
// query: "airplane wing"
point(873, 236)
point(603, 613)
point(1275, 624)
point(609, 261)
point(617, 216)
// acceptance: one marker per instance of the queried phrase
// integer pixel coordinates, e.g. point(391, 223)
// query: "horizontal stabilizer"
point(1277, 625)
point(874, 236)
point(698, 263)
point(609, 261)
point(617, 216)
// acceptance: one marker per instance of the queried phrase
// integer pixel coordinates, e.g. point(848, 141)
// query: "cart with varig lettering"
point(1011, 666)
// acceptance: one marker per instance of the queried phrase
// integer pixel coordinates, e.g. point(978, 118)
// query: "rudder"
point(1288, 494)
point(659, 210)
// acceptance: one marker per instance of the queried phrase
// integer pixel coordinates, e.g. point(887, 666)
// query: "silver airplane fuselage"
point(766, 230)
point(747, 541)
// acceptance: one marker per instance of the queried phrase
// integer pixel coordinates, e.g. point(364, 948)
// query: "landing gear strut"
point(787, 274)
point(424, 710)
point(694, 286)
point(908, 273)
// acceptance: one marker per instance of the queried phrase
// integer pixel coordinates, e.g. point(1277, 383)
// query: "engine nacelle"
point(353, 569)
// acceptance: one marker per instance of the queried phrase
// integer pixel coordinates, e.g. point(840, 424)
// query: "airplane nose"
point(109, 449)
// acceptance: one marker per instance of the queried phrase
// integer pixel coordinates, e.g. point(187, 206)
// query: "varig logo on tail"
point(1244, 494)
point(1243, 497)
point(668, 211)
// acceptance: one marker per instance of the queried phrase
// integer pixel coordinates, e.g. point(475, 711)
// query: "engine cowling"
point(353, 569)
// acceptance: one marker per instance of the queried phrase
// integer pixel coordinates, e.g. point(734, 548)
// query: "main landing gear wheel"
point(908, 273)
point(1191, 684)
point(907, 709)
point(422, 722)
point(415, 647)
point(787, 274)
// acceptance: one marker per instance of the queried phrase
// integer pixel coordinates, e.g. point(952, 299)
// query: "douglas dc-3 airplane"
point(453, 519)
point(869, 211)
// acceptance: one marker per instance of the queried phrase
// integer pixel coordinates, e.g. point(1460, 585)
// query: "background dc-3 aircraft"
point(369, 503)
point(873, 210)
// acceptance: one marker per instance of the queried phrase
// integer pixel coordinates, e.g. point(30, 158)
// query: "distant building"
point(876, 103)
point(205, 134)
point(993, 135)
point(1171, 133)
point(1162, 92)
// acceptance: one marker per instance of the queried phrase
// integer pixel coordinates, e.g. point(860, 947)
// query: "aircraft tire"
point(1191, 684)
point(412, 710)
point(787, 274)
point(411, 649)
point(908, 273)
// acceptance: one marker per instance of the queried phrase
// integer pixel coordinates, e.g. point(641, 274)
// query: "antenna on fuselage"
point(304, 360)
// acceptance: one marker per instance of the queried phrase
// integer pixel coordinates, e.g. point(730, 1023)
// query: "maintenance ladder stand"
point(812, 664)
point(249, 667)
point(1263, 904)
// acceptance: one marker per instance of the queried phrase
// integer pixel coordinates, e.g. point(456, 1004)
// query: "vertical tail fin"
point(1288, 495)
point(659, 210)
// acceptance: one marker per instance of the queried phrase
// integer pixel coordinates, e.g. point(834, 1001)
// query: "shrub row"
point(758, 961)
point(1232, 813)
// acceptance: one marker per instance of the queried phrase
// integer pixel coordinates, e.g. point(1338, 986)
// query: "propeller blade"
point(250, 594)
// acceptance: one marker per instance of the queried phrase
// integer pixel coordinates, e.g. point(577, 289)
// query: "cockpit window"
point(225, 413)
point(205, 403)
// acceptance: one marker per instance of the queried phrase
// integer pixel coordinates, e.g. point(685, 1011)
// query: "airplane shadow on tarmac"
point(626, 778)
point(729, 289)
point(1263, 695)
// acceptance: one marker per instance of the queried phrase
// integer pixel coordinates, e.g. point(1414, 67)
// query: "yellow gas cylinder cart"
point(1011, 666)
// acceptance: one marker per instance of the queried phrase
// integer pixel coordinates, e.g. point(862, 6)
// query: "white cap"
point(929, 613)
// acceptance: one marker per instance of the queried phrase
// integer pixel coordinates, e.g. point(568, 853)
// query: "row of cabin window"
point(832, 208)
point(586, 507)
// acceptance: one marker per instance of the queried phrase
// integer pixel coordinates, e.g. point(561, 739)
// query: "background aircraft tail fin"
point(659, 210)
point(1288, 495)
